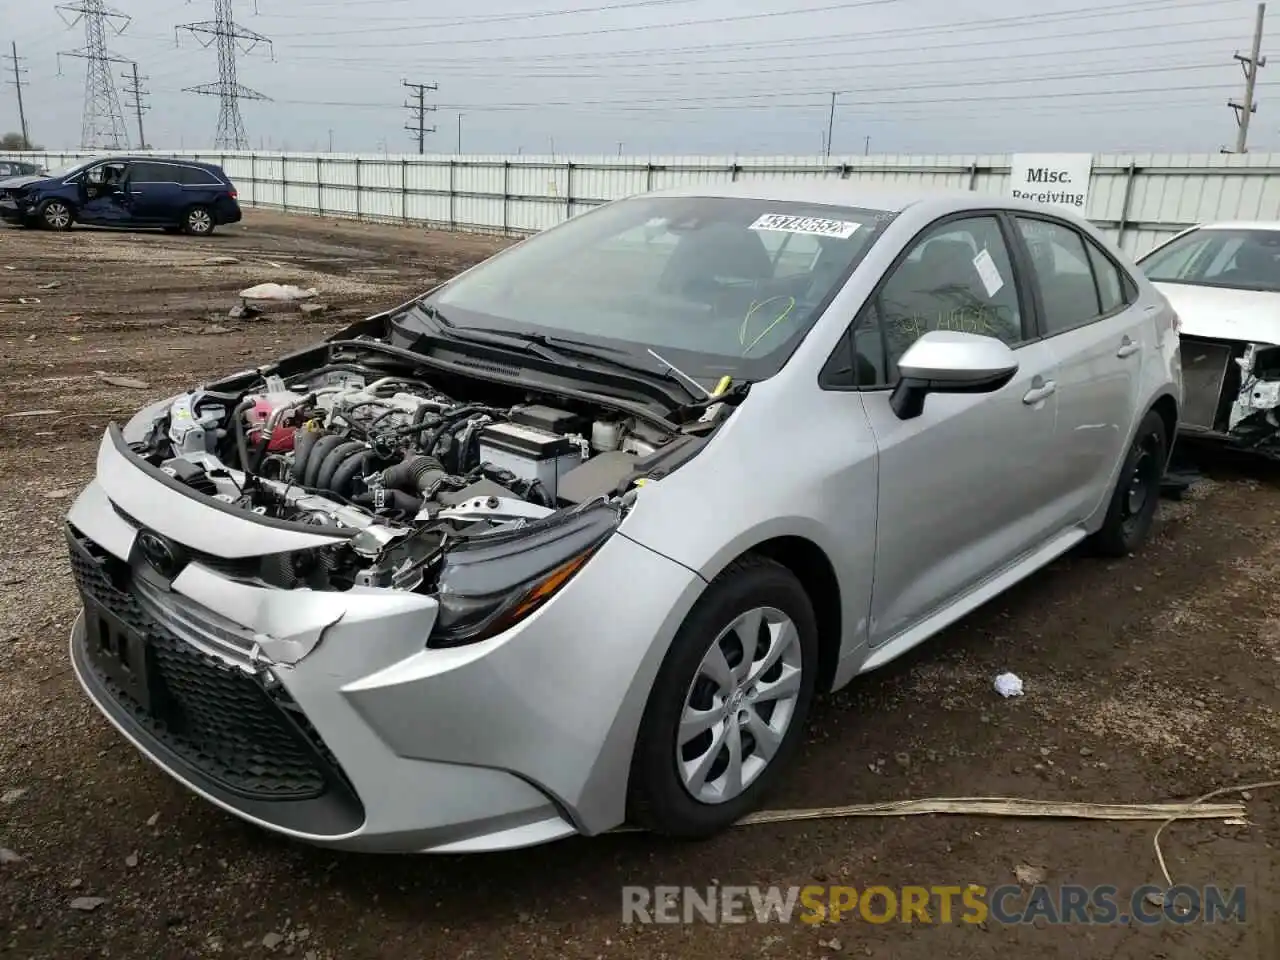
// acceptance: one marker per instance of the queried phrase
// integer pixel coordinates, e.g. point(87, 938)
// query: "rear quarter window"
point(198, 177)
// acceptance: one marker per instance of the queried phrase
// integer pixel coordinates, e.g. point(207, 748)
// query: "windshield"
point(1243, 259)
point(63, 172)
point(717, 286)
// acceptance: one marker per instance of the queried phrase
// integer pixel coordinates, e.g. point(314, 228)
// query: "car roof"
point(867, 196)
point(1273, 225)
point(129, 158)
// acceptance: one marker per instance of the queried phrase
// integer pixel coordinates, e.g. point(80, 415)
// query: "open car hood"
point(1219, 313)
point(13, 183)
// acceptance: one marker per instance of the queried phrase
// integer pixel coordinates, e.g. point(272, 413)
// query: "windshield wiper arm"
point(561, 349)
point(681, 374)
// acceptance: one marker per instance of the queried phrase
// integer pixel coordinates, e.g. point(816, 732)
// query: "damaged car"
point(573, 539)
point(1223, 280)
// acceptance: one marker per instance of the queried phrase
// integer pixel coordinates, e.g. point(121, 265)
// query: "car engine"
point(402, 468)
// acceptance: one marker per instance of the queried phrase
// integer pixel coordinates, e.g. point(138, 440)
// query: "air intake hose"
point(417, 474)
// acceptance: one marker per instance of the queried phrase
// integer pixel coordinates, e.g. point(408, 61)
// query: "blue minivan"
point(176, 195)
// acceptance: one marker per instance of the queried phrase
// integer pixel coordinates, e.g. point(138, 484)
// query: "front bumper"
point(12, 212)
point(322, 716)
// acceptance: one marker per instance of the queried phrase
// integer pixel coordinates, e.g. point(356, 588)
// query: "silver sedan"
point(575, 538)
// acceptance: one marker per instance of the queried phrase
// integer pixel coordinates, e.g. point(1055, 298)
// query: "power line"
point(18, 83)
point(435, 23)
point(103, 124)
point(418, 113)
point(733, 18)
point(1111, 10)
point(775, 96)
point(231, 39)
point(1250, 64)
point(765, 101)
point(862, 66)
point(133, 90)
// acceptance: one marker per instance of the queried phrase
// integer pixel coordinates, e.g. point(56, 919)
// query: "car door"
point(966, 488)
point(1099, 336)
point(155, 190)
point(103, 198)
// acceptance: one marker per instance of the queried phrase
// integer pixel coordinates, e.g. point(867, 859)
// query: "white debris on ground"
point(1009, 685)
point(283, 293)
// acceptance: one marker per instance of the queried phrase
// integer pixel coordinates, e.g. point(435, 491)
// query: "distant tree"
point(13, 142)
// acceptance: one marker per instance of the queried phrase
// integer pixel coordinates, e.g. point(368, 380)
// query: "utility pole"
point(1250, 64)
point(418, 113)
point(133, 89)
point(866, 145)
point(231, 39)
point(103, 124)
point(831, 121)
point(19, 83)
point(459, 134)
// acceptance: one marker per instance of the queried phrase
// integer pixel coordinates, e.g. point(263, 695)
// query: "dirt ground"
point(1156, 678)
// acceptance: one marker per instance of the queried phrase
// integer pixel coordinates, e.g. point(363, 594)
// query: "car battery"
point(529, 453)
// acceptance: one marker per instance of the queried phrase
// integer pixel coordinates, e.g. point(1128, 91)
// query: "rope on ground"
point(1002, 807)
point(1266, 785)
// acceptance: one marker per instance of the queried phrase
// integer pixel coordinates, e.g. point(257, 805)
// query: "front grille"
point(220, 719)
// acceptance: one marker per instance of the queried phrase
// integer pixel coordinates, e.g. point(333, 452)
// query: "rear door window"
point(1061, 267)
point(152, 173)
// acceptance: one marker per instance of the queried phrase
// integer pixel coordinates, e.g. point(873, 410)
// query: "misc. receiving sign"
point(1061, 179)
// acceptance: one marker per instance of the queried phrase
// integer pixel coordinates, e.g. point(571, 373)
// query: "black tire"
point(657, 796)
point(198, 222)
point(1137, 493)
point(56, 215)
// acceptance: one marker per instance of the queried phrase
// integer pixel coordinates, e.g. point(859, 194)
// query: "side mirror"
point(943, 361)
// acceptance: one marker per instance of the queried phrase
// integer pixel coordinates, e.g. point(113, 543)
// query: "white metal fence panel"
point(1137, 199)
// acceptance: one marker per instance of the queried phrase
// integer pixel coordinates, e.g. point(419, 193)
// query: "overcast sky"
point(677, 76)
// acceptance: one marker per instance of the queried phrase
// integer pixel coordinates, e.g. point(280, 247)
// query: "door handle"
point(1127, 348)
point(1040, 389)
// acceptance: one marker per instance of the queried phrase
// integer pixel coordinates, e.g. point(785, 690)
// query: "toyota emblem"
point(164, 557)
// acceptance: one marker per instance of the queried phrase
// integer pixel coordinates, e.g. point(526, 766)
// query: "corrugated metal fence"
point(1137, 199)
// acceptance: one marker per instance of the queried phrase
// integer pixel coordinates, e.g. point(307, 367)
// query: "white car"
point(1223, 279)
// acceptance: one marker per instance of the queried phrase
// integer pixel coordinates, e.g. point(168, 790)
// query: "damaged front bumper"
point(324, 716)
point(1232, 393)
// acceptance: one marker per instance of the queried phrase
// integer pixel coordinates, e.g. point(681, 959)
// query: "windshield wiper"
point(561, 349)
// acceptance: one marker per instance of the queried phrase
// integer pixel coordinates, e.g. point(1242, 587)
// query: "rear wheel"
point(198, 222)
point(1137, 493)
point(728, 708)
point(56, 215)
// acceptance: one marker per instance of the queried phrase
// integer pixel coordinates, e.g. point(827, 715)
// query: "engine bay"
point(408, 467)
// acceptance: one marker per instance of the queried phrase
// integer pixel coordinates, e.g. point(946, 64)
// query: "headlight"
point(491, 583)
point(139, 425)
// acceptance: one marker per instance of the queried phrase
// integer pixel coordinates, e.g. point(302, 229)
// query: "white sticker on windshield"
point(844, 229)
point(989, 273)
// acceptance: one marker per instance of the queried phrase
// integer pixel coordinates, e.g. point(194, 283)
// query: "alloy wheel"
point(739, 705)
point(199, 221)
point(57, 216)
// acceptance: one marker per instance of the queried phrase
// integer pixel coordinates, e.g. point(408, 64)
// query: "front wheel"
point(728, 708)
point(198, 222)
point(56, 215)
point(1137, 493)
